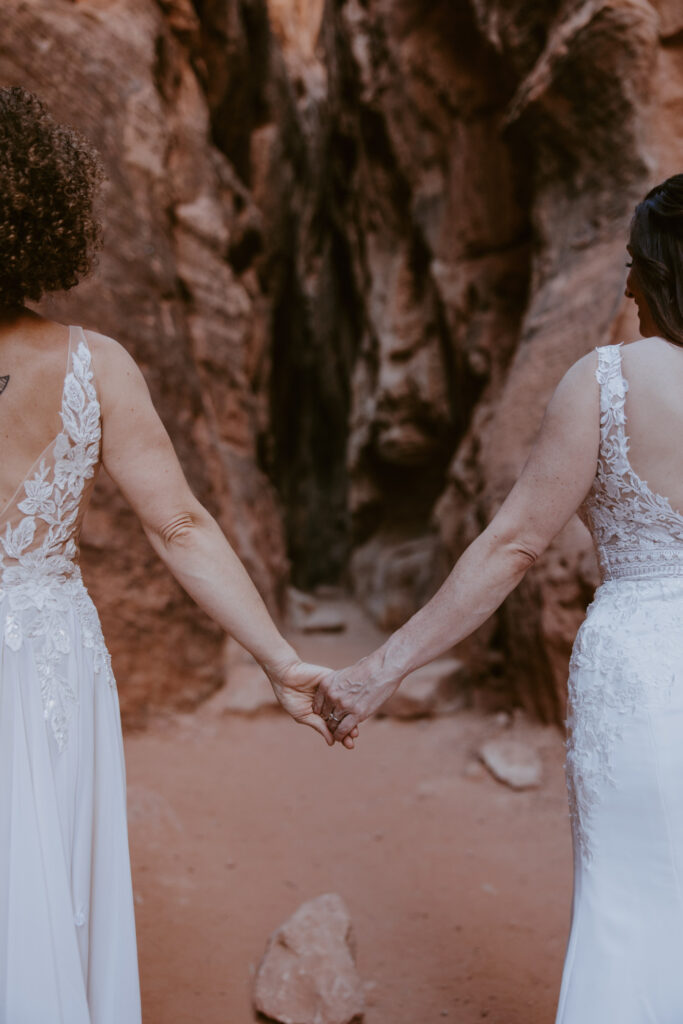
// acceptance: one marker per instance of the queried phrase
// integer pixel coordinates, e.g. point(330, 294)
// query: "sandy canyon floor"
point(459, 888)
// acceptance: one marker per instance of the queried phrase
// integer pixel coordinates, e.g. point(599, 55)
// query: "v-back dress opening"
point(67, 933)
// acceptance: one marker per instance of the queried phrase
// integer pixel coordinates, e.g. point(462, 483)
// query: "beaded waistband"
point(641, 563)
point(36, 579)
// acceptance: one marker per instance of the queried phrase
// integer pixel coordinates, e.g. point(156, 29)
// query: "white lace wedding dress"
point(624, 960)
point(67, 933)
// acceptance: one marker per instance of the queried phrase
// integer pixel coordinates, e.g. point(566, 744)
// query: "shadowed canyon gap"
point(354, 245)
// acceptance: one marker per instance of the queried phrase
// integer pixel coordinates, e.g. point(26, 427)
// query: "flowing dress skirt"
point(67, 933)
point(625, 773)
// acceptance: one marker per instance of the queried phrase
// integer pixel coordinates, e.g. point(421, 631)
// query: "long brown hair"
point(656, 246)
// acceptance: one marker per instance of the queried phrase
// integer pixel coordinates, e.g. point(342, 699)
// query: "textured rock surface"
point(492, 258)
point(436, 689)
point(354, 245)
point(247, 690)
point(308, 973)
point(583, 95)
point(513, 762)
point(169, 289)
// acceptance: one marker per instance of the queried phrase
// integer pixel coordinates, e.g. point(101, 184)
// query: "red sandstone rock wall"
point(493, 257)
point(483, 160)
point(176, 285)
point(354, 246)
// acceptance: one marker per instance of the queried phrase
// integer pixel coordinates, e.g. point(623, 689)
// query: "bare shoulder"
point(582, 372)
point(116, 372)
point(651, 352)
point(577, 392)
point(109, 354)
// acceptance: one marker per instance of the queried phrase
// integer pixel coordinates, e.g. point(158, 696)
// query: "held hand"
point(295, 685)
point(346, 698)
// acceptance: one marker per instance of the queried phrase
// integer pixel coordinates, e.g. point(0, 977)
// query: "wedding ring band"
point(333, 717)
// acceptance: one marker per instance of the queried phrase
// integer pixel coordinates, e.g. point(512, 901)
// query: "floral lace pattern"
point(39, 576)
point(626, 656)
point(623, 664)
point(636, 532)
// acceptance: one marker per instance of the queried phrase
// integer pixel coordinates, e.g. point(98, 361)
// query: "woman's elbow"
point(525, 554)
point(180, 529)
point(520, 553)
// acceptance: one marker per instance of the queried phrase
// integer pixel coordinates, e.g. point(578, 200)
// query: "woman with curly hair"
point(70, 401)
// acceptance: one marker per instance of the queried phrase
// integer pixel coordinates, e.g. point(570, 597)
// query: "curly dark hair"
point(656, 246)
point(49, 177)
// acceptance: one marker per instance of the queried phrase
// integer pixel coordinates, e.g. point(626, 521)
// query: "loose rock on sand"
point(435, 689)
point(308, 973)
point(513, 762)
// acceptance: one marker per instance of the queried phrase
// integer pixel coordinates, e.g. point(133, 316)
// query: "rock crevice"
point(354, 246)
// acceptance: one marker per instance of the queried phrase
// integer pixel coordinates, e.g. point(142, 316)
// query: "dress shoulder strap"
point(81, 362)
point(613, 389)
point(80, 406)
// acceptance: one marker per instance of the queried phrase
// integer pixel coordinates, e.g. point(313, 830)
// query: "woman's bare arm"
point(138, 455)
point(554, 482)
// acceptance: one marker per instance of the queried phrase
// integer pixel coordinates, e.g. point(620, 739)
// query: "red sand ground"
point(458, 887)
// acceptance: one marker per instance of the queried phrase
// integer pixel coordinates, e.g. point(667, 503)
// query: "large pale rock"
point(311, 614)
point(394, 575)
point(324, 620)
point(247, 692)
point(434, 689)
point(308, 973)
point(246, 689)
point(512, 761)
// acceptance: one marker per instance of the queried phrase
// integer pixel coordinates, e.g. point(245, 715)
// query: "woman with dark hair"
point(615, 422)
point(70, 401)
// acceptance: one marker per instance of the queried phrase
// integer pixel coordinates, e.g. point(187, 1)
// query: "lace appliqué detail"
point(636, 531)
point(42, 582)
point(623, 661)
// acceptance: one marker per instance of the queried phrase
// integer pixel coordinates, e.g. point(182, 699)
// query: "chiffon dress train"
point(67, 932)
point(624, 961)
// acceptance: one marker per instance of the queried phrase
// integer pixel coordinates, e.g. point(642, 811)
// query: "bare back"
point(653, 369)
point(34, 355)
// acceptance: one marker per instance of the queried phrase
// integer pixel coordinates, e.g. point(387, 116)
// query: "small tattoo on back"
point(4, 381)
